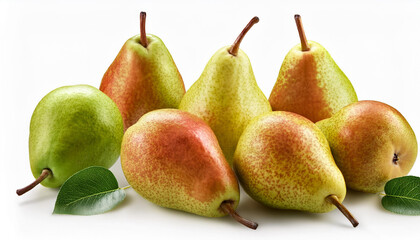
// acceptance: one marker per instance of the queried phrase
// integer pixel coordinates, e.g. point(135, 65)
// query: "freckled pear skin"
point(142, 79)
point(371, 143)
point(227, 97)
point(172, 158)
point(73, 127)
point(311, 84)
point(283, 161)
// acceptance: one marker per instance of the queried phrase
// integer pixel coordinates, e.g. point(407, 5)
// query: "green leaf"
point(403, 195)
point(90, 191)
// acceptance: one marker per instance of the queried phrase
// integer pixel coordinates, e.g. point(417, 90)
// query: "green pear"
point(72, 127)
point(172, 158)
point(226, 95)
point(371, 143)
point(283, 161)
point(143, 77)
point(310, 83)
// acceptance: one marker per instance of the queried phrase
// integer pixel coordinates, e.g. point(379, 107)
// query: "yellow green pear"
point(310, 83)
point(283, 161)
point(226, 95)
point(371, 143)
point(72, 127)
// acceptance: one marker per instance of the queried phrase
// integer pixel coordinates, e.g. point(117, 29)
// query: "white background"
point(47, 44)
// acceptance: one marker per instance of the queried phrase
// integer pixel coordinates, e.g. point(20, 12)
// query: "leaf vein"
point(404, 197)
point(90, 196)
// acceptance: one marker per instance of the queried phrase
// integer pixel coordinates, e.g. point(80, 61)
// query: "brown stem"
point(334, 200)
point(227, 207)
point(303, 41)
point(143, 38)
point(44, 174)
point(235, 46)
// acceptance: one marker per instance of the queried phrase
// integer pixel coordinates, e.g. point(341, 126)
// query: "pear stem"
point(334, 200)
point(44, 174)
point(235, 46)
point(303, 41)
point(143, 38)
point(227, 207)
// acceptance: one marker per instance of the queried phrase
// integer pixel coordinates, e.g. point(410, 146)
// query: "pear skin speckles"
point(283, 161)
point(172, 158)
point(311, 84)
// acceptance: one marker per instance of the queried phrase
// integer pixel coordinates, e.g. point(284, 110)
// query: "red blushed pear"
point(310, 83)
point(172, 158)
point(143, 77)
point(371, 143)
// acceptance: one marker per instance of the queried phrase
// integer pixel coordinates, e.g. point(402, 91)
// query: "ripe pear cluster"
point(189, 150)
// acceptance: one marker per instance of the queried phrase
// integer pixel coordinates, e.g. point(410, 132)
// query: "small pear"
point(226, 95)
point(283, 161)
point(310, 83)
point(371, 143)
point(172, 158)
point(72, 127)
point(143, 77)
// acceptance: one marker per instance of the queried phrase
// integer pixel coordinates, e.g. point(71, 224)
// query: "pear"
point(226, 95)
point(72, 127)
point(310, 83)
point(172, 158)
point(371, 143)
point(143, 77)
point(283, 161)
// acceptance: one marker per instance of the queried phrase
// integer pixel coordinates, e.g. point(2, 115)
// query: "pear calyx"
point(333, 199)
point(302, 36)
point(44, 174)
point(227, 207)
point(143, 38)
point(395, 159)
point(235, 46)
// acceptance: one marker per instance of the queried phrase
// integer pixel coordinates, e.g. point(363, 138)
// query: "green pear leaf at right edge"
point(93, 190)
point(402, 195)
